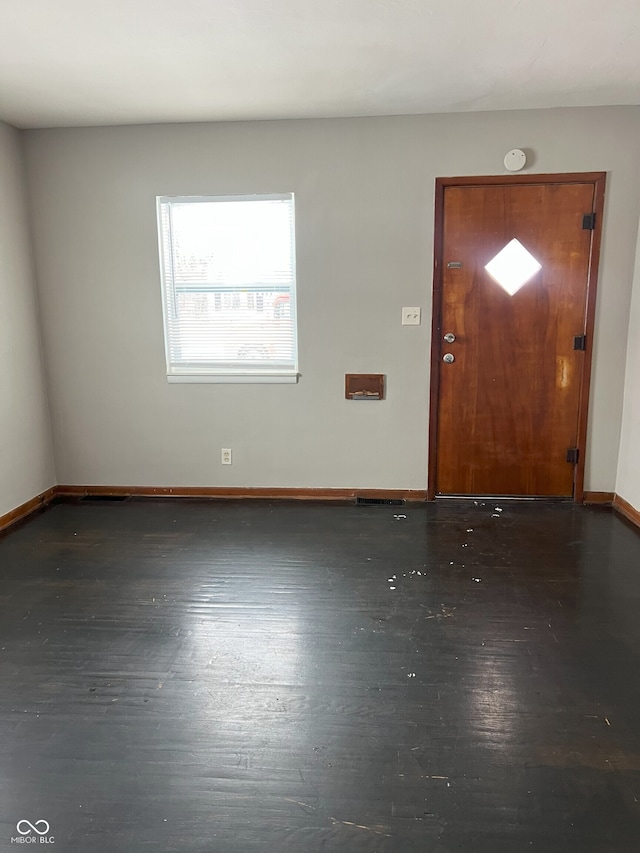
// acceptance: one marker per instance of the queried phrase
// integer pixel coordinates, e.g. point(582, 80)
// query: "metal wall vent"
point(379, 502)
point(102, 498)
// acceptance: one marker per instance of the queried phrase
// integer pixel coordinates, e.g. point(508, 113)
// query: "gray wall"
point(364, 204)
point(26, 460)
point(628, 484)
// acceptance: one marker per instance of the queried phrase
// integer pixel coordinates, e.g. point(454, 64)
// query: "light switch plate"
point(410, 316)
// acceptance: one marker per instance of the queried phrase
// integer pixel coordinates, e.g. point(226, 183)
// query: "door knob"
point(449, 337)
point(448, 358)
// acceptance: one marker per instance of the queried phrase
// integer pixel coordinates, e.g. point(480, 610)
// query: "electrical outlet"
point(226, 456)
point(410, 316)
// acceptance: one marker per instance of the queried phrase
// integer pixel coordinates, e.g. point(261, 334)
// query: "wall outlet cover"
point(411, 316)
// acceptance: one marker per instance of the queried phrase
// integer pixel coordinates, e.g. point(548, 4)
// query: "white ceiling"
point(95, 62)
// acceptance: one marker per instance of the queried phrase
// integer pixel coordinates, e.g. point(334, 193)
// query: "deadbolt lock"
point(448, 358)
point(449, 337)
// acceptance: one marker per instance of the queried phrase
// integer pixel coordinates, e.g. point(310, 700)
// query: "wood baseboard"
point(234, 492)
point(26, 509)
point(598, 497)
point(22, 512)
point(625, 508)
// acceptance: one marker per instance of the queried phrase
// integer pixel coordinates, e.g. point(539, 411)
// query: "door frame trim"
point(598, 179)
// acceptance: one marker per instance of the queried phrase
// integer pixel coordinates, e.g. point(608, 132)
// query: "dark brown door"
point(510, 392)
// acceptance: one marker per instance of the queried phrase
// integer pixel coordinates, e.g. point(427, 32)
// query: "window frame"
point(229, 373)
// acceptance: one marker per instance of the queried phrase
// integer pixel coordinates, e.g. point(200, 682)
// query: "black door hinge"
point(580, 342)
point(588, 222)
point(572, 455)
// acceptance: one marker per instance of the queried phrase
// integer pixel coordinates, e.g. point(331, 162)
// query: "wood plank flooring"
point(231, 677)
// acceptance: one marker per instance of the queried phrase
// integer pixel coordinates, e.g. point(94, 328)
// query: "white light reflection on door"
point(513, 267)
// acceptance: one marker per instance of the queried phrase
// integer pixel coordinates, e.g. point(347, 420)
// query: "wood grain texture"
point(599, 183)
point(628, 510)
point(239, 493)
point(436, 337)
point(238, 676)
point(510, 406)
point(23, 511)
point(598, 498)
point(527, 179)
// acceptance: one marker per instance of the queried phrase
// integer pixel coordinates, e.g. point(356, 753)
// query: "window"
point(228, 284)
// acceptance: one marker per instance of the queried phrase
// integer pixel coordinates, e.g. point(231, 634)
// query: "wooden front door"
point(510, 390)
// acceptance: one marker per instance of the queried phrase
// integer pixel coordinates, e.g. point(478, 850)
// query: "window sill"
point(234, 378)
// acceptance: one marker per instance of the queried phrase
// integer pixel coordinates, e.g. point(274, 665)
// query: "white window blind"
point(228, 282)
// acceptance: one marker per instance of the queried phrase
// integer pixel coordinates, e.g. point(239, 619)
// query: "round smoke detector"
point(515, 160)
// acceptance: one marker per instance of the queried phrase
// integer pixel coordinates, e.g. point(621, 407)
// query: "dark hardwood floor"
point(230, 677)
